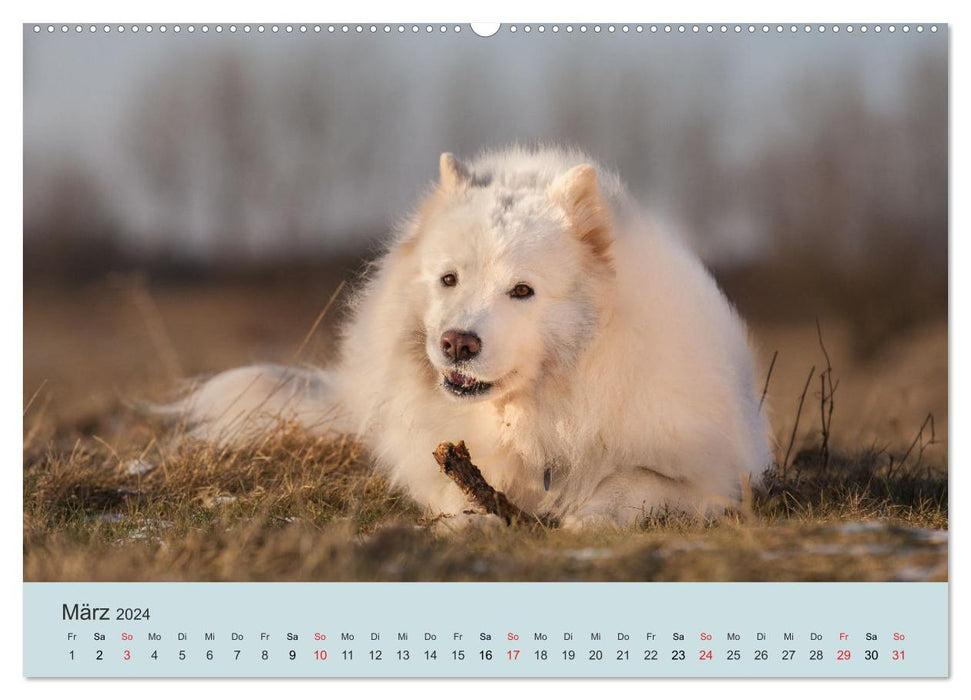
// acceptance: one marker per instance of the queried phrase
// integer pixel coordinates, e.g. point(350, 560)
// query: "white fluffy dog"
point(589, 362)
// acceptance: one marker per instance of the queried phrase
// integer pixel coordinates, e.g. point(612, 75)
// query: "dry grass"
point(300, 508)
point(109, 496)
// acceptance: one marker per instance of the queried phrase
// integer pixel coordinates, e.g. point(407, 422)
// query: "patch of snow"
point(939, 537)
point(864, 526)
point(137, 467)
point(915, 573)
point(111, 518)
point(585, 554)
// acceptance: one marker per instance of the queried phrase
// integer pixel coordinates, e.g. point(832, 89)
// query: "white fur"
point(630, 376)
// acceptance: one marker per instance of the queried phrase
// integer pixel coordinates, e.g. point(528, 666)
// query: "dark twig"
point(457, 465)
point(795, 426)
point(919, 440)
point(768, 376)
point(826, 403)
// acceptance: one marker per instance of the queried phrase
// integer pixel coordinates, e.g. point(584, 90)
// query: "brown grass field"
point(109, 495)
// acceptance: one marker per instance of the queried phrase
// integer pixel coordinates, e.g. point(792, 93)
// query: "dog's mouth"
point(464, 384)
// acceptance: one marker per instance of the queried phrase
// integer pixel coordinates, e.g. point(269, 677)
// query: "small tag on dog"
point(547, 478)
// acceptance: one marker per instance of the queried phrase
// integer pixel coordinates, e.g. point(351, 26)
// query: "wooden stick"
point(457, 465)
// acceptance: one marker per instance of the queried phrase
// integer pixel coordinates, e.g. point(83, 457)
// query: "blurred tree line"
point(843, 207)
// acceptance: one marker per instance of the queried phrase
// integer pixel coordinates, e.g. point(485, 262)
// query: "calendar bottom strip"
point(485, 629)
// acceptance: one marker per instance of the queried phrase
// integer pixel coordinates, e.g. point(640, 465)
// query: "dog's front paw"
point(588, 521)
point(466, 521)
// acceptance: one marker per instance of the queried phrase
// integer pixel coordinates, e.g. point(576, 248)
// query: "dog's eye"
point(521, 291)
point(450, 280)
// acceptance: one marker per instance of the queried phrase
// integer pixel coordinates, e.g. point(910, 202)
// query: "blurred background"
point(192, 201)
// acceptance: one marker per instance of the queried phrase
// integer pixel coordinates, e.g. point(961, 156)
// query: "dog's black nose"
point(460, 345)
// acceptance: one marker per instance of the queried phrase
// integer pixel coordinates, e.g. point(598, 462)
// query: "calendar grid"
point(485, 630)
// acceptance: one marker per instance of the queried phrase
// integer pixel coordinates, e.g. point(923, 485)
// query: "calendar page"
point(513, 350)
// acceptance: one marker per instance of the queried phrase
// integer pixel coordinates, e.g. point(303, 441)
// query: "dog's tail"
point(243, 405)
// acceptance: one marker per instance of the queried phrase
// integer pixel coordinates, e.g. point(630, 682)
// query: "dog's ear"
point(577, 192)
point(452, 175)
